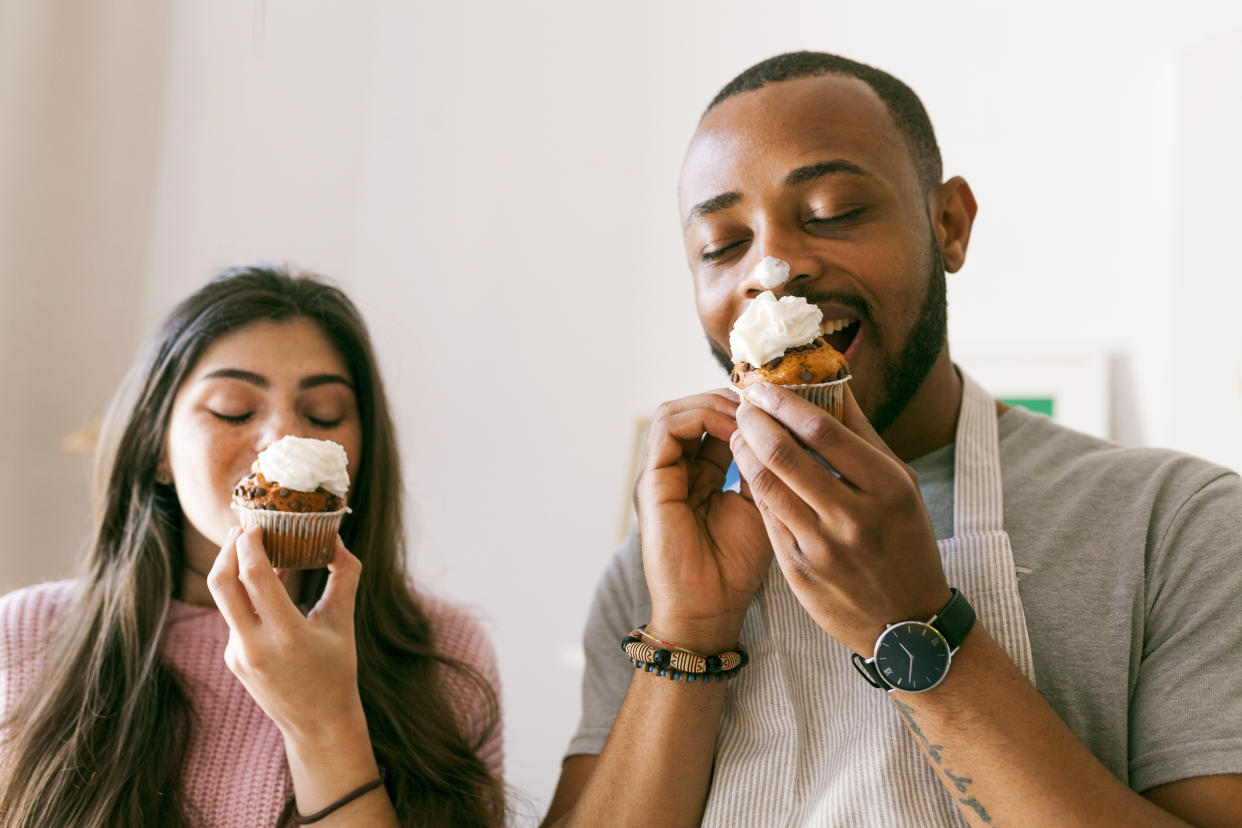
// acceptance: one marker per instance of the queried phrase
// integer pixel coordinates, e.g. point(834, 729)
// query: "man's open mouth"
point(840, 332)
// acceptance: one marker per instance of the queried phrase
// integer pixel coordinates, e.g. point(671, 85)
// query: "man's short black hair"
point(905, 107)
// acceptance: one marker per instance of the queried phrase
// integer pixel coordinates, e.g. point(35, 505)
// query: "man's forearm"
point(656, 767)
point(1005, 756)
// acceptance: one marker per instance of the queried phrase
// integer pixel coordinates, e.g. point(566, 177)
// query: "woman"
point(116, 704)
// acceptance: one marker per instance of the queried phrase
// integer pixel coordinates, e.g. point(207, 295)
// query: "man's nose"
point(784, 244)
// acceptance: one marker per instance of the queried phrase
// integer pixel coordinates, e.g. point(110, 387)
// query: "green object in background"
point(1040, 405)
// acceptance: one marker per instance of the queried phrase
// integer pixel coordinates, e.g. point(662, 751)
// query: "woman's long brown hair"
point(101, 739)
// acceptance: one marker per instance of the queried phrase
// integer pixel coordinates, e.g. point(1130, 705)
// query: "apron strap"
point(977, 502)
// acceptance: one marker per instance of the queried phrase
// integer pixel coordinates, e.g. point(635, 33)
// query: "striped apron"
point(804, 740)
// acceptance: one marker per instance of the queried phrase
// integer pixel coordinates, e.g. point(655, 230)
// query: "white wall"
point(495, 184)
point(80, 121)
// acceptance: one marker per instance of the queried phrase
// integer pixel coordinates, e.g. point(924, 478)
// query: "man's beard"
point(900, 378)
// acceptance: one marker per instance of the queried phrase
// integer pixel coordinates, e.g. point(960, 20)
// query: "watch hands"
point(910, 677)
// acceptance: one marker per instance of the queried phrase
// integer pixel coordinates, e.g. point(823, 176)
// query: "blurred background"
point(494, 184)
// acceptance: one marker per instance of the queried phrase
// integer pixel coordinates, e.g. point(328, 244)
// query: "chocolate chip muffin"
point(254, 491)
point(781, 341)
point(809, 364)
point(296, 493)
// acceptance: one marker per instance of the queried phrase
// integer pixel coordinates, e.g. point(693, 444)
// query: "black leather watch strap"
point(867, 668)
point(954, 619)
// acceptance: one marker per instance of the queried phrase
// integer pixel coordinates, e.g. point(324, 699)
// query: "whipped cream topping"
point(770, 326)
point(772, 272)
point(305, 464)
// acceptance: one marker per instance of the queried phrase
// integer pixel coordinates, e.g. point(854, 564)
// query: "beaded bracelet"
point(677, 663)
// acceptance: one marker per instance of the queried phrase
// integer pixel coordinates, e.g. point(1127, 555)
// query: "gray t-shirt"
point(1130, 572)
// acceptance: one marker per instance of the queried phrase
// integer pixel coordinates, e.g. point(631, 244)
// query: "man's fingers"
point(267, 593)
point(226, 588)
point(769, 491)
point(715, 451)
point(336, 604)
point(673, 434)
point(863, 461)
point(784, 457)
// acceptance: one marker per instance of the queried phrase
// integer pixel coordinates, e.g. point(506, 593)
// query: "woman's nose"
point(279, 424)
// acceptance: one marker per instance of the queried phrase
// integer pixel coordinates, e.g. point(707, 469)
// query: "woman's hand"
point(303, 673)
point(705, 551)
point(295, 668)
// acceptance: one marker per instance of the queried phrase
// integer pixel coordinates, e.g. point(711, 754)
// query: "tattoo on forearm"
point(907, 713)
point(984, 817)
point(959, 782)
point(933, 751)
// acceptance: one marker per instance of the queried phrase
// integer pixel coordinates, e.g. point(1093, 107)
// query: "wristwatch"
point(914, 656)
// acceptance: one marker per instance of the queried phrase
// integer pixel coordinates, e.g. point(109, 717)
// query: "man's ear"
point(952, 209)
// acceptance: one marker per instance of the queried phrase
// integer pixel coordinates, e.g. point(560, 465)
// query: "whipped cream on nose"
point(772, 272)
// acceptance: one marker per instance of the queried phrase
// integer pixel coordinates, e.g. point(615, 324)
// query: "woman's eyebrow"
point(316, 380)
point(236, 373)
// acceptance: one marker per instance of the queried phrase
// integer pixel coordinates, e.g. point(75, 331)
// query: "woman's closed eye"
point(239, 419)
point(234, 419)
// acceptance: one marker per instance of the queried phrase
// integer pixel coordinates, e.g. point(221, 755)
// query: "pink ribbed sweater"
point(235, 773)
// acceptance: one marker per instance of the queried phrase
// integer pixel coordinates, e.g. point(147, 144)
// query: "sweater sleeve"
point(26, 620)
point(460, 636)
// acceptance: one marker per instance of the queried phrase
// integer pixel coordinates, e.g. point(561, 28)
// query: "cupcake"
point(779, 341)
point(295, 493)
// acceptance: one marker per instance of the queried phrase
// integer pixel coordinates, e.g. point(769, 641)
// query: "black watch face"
point(912, 656)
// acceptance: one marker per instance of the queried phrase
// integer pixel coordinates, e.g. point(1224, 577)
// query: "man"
point(1088, 593)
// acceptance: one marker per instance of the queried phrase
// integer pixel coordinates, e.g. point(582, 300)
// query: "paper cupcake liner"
point(295, 540)
point(830, 396)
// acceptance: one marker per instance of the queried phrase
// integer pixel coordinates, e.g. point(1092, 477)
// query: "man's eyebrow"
point(238, 374)
point(812, 171)
point(324, 379)
point(712, 205)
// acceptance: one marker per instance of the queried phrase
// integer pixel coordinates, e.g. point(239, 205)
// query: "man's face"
point(814, 171)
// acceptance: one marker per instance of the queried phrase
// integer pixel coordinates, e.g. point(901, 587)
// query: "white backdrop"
point(495, 184)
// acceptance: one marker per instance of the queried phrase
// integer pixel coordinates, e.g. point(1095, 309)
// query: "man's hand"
point(858, 550)
point(705, 551)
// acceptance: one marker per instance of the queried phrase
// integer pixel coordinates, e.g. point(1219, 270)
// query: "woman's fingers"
point(336, 605)
point(226, 588)
point(267, 593)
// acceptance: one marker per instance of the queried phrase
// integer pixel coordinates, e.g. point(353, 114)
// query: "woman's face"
point(250, 388)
